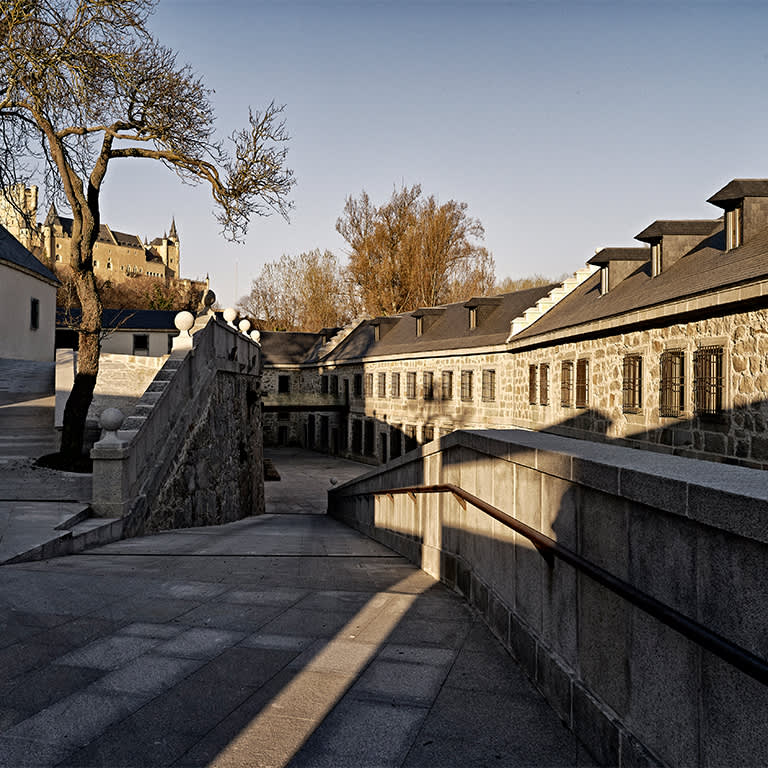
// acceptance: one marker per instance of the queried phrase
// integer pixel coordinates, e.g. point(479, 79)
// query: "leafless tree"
point(412, 252)
point(83, 83)
point(301, 293)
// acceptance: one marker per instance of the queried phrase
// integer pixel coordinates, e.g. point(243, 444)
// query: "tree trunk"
point(76, 409)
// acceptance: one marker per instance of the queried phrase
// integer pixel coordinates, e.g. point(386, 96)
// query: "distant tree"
point(83, 83)
point(508, 284)
point(412, 252)
point(301, 293)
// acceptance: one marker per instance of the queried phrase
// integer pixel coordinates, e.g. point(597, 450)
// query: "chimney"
point(616, 264)
point(670, 240)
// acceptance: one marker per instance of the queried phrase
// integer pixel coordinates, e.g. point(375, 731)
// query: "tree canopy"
point(301, 293)
point(413, 251)
point(83, 83)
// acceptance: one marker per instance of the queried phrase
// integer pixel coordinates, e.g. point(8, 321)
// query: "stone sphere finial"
point(111, 420)
point(184, 321)
point(256, 336)
point(244, 325)
point(230, 315)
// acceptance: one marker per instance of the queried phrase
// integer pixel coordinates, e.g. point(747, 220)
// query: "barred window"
point(395, 385)
point(428, 434)
point(447, 385)
point(489, 386)
point(708, 380)
point(582, 383)
point(369, 384)
point(410, 385)
point(544, 384)
point(672, 392)
point(532, 384)
point(566, 383)
point(382, 384)
point(358, 386)
point(632, 384)
point(428, 383)
point(466, 386)
point(334, 385)
point(324, 385)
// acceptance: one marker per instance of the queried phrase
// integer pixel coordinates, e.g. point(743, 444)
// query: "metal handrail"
point(739, 657)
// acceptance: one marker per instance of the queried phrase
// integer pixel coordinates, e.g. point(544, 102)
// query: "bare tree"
point(508, 284)
point(412, 252)
point(83, 83)
point(301, 293)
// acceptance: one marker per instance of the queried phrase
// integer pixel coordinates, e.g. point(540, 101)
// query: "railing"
point(739, 657)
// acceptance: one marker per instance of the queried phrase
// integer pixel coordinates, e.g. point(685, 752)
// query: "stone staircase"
point(543, 305)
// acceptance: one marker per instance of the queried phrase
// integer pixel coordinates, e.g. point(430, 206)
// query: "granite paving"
point(281, 640)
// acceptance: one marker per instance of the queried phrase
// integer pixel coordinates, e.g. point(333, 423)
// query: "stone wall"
point(690, 534)
point(192, 453)
point(739, 434)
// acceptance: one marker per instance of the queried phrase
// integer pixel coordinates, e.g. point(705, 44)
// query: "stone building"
point(117, 256)
point(662, 347)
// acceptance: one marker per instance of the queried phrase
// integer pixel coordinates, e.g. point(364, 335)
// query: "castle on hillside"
point(117, 256)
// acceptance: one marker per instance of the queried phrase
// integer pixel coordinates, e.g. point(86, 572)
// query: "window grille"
point(382, 384)
point(582, 383)
point(410, 385)
point(532, 385)
point(489, 386)
point(369, 384)
point(323, 385)
point(428, 434)
point(708, 380)
point(466, 386)
point(672, 393)
point(447, 385)
point(395, 385)
point(566, 383)
point(632, 384)
point(428, 383)
point(544, 384)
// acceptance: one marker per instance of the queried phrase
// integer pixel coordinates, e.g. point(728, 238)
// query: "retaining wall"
point(192, 453)
point(691, 534)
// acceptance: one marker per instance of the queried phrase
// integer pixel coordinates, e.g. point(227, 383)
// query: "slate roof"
point(708, 267)
point(738, 189)
point(13, 252)
point(604, 255)
point(450, 330)
point(286, 348)
point(125, 319)
point(679, 227)
point(106, 235)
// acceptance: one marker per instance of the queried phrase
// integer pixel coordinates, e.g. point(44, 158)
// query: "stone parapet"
point(192, 452)
point(691, 534)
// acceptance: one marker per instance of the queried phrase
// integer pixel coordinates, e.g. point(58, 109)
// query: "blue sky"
point(564, 126)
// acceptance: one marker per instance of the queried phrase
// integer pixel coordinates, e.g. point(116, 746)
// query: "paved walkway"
point(279, 640)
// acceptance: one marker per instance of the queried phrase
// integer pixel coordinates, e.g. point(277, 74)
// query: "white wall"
point(17, 339)
point(120, 342)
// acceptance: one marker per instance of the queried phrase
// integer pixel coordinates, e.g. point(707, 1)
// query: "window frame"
point(533, 387)
point(632, 384)
point(428, 385)
point(566, 383)
point(446, 385)
point(708, 385)
point(489, 385)
point(581, 389)
point(381, 384)
point(466, 386)
point(672, 383)
point(395, 384)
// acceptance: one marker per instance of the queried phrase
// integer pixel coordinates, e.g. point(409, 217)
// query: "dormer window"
point(377, 333)
point(472, 318)
point(656, 259)
point(420, 326)
point(603, 279)
point(734, 228)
